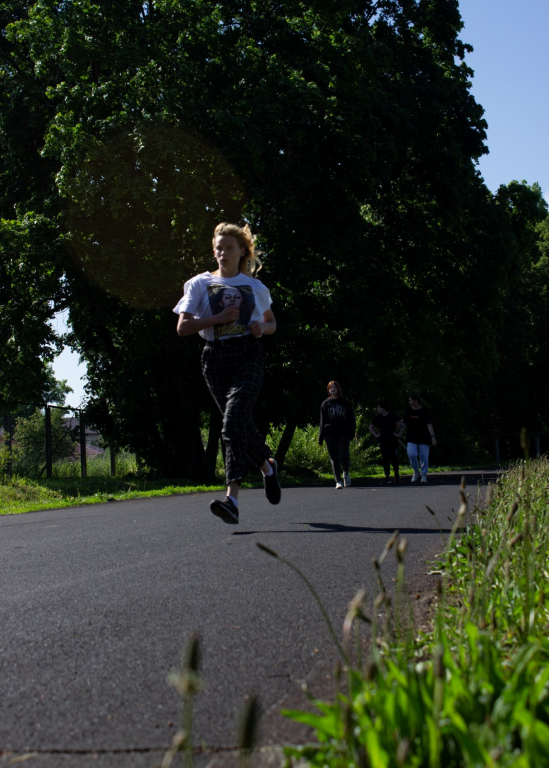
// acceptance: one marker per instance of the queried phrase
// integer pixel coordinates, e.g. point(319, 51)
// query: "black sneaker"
point(273, 491)
point(226, 510)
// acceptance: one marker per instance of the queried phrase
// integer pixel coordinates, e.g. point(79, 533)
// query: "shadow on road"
point(339, 528)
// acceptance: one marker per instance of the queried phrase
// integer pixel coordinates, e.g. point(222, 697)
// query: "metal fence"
point(9, 423)
point(508, 447)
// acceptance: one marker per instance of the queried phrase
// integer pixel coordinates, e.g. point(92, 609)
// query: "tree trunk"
point(207, 468)
point(285, 442)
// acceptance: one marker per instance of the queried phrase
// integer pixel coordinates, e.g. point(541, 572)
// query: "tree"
point(29, 290)
point(345, 133)
point(519, 390)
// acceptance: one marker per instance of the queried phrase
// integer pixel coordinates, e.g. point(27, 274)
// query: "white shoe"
point(346, 479)
point(415, 477)
point(338, 486)
point(424, 479)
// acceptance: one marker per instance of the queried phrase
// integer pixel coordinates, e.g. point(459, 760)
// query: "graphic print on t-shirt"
point(336, 411)
point(223, 296)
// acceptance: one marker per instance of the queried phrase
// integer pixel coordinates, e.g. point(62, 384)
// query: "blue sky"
point(511, 65)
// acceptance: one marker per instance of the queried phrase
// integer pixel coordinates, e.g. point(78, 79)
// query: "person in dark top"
point(420, 436)
point(387, 427)
point(337, 427)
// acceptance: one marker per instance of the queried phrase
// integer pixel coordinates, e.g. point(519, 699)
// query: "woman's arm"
point(321, 427)
point(432, 433)
point(268, 325)
point(189, 324)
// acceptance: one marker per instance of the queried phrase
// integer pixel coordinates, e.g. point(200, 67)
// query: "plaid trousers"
point(234, 375)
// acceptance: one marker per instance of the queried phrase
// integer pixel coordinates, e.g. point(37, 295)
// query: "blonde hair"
point(250, 263)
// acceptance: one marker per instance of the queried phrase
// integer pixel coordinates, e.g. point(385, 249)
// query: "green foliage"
point(345, 133)
point(99, 466)
point(306, 453)
point(29, 289)
point(475, 690)
point(30, 435)
point(500, 563)
point(479, 709)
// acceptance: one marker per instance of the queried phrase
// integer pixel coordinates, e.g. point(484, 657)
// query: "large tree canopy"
point(345, 133)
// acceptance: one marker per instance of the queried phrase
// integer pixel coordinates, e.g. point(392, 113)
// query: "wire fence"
point(503, 447)
point(8, 422)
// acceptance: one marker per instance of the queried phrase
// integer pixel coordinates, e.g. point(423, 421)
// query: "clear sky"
point(511, 65)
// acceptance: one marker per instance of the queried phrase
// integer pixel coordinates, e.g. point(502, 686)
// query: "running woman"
point(231, 309)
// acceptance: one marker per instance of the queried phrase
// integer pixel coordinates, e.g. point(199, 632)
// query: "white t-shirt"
point(205, 295)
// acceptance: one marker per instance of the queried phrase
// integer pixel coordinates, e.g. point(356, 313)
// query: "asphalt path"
point(97, 603)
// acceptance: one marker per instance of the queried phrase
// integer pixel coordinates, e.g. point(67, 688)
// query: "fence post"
point(497, 449)
point(112, 449)
point(49, 457)
point(83, 456)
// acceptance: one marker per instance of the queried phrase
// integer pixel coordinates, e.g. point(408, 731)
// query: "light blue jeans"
point(415, 449)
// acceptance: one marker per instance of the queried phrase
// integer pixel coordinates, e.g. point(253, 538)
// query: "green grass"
point(306, 463)
point(67, 490)
point(472, 691)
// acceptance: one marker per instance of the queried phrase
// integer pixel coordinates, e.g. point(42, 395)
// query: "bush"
point(98, 466)
point(306, 453)
point(30, 435)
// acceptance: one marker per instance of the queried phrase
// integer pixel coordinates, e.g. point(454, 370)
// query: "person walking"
point(231, 309)
point(337, 428)
point(420, 436)
point(387, 427)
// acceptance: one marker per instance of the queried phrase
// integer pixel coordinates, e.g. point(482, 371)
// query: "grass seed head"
point(513, 509)
point(401, 550)
point(267, 550)
point(378, 602)
point(389, 545)
point(192, 663)
point(402, 752)
point(354, 610)
point(247, 738)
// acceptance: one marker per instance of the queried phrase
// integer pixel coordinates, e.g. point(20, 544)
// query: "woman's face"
point(333, 391)
point(227, 253)
point(413, 403)
point(231, 297)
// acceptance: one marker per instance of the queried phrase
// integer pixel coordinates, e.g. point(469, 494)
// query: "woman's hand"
point(256, 329)
point(228, 315)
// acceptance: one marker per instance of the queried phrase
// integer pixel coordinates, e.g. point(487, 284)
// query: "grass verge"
point(474, 689)
point(27, 495)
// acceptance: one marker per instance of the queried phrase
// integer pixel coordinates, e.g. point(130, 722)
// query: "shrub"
point(30, 434)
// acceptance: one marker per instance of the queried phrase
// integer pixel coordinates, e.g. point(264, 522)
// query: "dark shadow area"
point(339, 528)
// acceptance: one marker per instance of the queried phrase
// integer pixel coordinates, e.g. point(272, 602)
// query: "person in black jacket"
point(420, 436)
point(387, 427)
point(337, 427)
